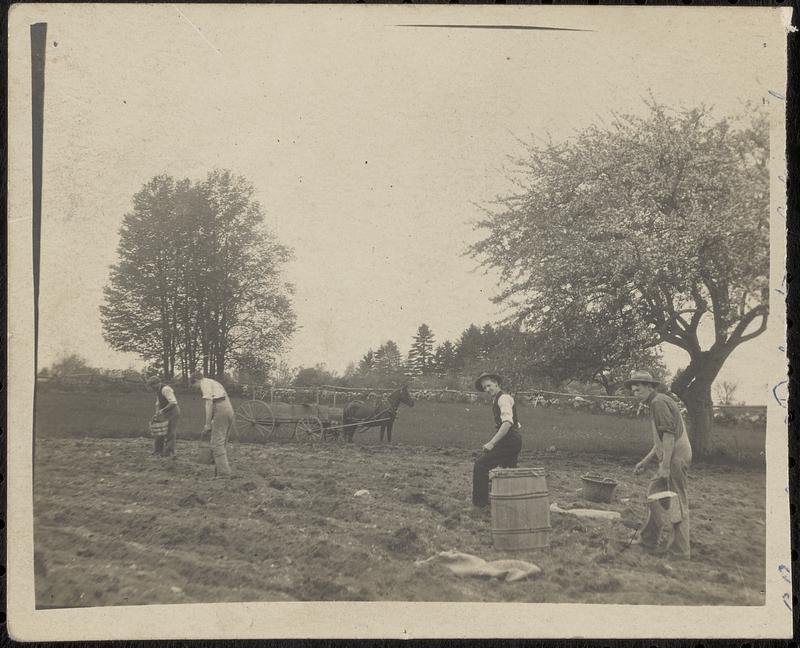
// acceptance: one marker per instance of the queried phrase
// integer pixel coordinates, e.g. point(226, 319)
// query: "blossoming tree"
point(653, 228)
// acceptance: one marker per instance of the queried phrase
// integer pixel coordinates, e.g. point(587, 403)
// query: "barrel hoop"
point(520, 531)
point(512, 473)
point(519, 496)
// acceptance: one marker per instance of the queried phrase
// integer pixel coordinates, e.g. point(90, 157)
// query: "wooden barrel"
point(520, 509)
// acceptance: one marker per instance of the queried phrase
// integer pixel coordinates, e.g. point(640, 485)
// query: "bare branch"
point(738, 336)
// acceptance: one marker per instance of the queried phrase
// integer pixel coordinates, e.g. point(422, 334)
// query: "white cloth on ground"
point(462, 564)
point(594, 514)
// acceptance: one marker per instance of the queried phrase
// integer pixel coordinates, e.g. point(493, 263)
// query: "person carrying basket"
point(164, 424)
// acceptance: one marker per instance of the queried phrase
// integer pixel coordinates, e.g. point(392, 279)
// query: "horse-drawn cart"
point(260, 421)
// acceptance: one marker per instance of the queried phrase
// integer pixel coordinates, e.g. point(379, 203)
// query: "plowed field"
point(115, 525)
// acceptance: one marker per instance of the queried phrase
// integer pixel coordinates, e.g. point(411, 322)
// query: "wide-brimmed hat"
point(493, 376)
point(153, 380)
point(642, 377)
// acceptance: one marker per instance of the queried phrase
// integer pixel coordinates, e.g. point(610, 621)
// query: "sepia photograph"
point(345, 321)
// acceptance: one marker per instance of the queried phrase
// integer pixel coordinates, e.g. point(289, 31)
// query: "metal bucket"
point(597, 488)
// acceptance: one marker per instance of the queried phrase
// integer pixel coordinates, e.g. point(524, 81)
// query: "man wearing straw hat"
point(219, 420)
point(673, 451)
point(166, 410)
point(504, 447)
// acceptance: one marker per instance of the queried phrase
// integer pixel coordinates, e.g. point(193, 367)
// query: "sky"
point(371, 146)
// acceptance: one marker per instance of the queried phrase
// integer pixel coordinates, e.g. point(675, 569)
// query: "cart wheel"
point(309, 428)
point(254, 421)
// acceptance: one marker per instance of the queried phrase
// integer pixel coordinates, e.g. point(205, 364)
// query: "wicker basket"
point(159, 428)
point(597, 488)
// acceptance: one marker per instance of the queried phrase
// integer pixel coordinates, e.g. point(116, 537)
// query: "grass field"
point(429, 424)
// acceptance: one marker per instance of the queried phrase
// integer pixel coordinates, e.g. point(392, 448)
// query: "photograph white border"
point(348, 619)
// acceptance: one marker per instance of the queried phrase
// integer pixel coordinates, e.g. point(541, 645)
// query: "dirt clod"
point(192, 499)
point(403, 541)
point(413, 497)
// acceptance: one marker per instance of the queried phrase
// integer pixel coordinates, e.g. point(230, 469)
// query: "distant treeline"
point(521, 357)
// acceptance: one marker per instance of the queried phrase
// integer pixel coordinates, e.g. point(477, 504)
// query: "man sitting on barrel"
point(504, 447)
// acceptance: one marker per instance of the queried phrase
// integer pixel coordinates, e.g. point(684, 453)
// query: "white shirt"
point(168, 393)
point(210, 389)
point(506, 405)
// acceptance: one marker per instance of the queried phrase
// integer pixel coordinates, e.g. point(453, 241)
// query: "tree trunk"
point(700, 409)
point(165, 359)
point(693, 387)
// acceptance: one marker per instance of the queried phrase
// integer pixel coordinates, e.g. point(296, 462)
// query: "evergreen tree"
point(420, 356)
point(388, 359)
point(445, 357)
point(367, 362)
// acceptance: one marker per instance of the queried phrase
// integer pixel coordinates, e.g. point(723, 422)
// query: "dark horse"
point(382, 414)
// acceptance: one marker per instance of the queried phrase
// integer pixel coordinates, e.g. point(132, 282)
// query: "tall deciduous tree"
point(199, 279)
point(143, 295)
point(241, 291)
point(656, 223)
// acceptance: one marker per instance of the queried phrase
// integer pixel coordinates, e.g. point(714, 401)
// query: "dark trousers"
point(503, 455)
